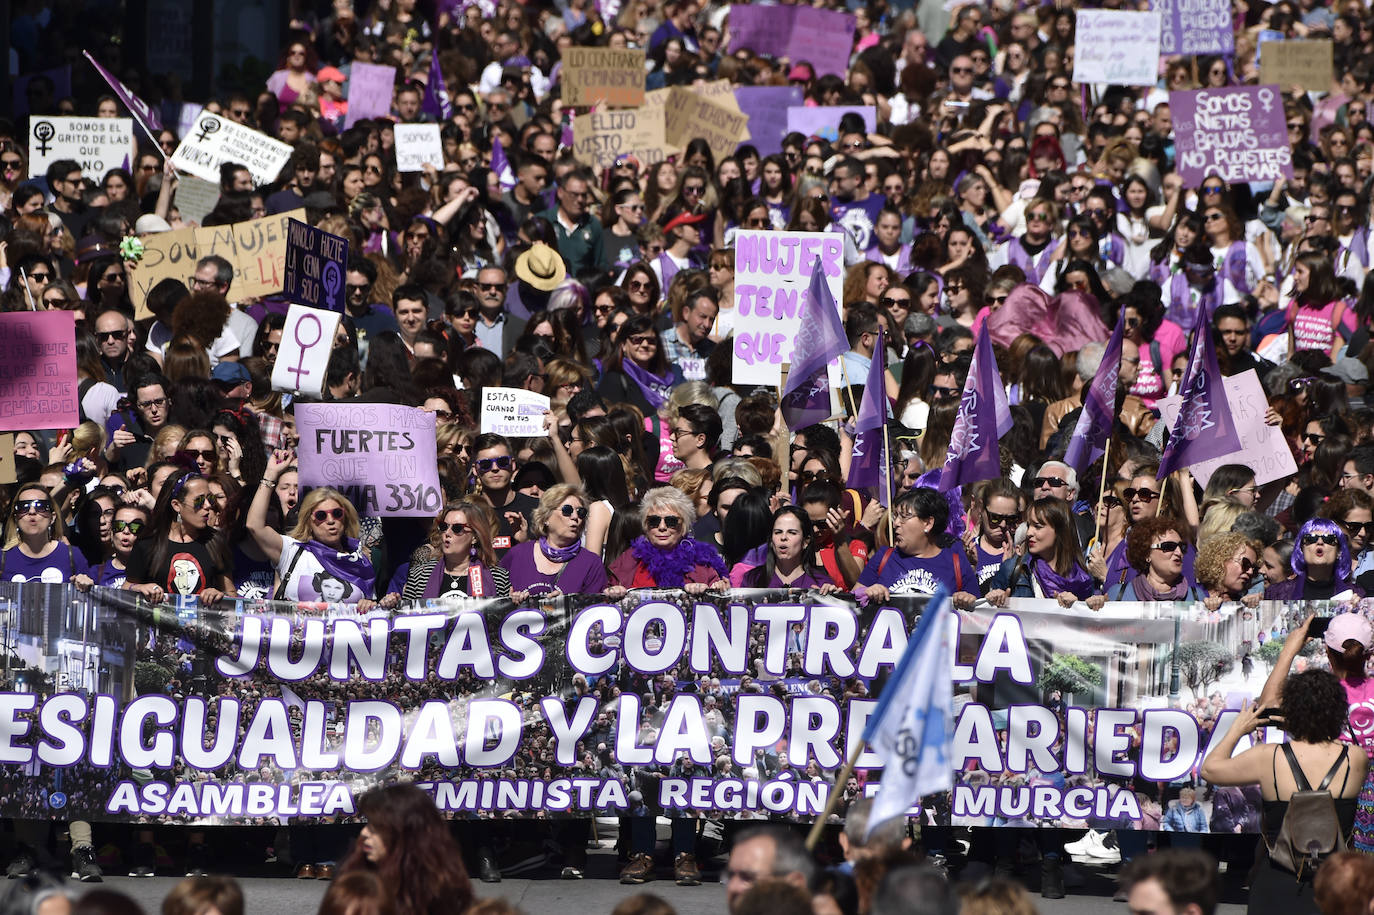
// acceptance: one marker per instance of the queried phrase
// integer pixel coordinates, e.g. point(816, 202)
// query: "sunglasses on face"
point(1246, 566)
point(486, 465)
point(1144, 495)
point(29, 506)
point(321, 515)
point(457, 528)
point(1112, 502)
point(888, 301)
point(996, 299)
point(1358, 527)
point(1168, 546)
point(210, 455)
point(811, 476)
point(653, 522)
point(204, 499)
point(1313, 437)
point(644, 340)
point(1328, 539)
point(942, 393)
point(639, 286)
point(104, 335)
point(40, 277)
point(132, 527)
point(996, 520)
point(1051, 482)
point(1037, 217)
point(567, 511)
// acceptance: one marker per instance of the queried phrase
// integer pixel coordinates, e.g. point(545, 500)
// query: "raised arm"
point(267, 539)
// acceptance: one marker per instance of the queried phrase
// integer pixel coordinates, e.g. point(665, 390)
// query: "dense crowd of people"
point(988, 190)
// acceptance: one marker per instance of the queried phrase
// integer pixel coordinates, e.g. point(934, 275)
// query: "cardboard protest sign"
point(307, 339)
point(1306, 64)
point(772, 273)
point(381, 456)
point(719, 91)
point(370, 88)
point(1190, 27)
point(195, 198)
point(603, 76)
point(822, 38)
point(1263, 448)
point(602, 136)
point(688, 116)
point(767, 108)
point(1237, 133)
point(96, 144)
point(166, 256)
point(315, 266)
point(418, 145)
point(824, 120)
point(215, 140)
point(513, 412)
point(7, 469)
point(38, 380)
point(256, 248)
point(1116, 47)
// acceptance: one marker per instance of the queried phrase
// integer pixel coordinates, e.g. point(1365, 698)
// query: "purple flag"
point(146, 117)
point(1095, 422)
point(984, 417)
point(868, 465)
point(500, 165)
point(1204, 428)
point(435, 102)
point(566, 140)
point(820, 339)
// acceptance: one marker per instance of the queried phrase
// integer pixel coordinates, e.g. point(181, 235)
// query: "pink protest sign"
point(1237, 133)
point(381, 456)
point(369, 92)
point(1262, 447)
point(38, 381)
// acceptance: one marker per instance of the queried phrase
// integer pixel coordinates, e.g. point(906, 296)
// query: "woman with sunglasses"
point(1106, 553)
point(1157, 338)
point(663, 556)
point(321, 558)
point(129, 521)
point(556, 562)
point(1321, 563)
point(35, 548)
point(992, 541)
point(1240, 265)
point(637, 372)
point(1227, 567)
point(1155, 548)
point(1052, 567)
point(623, 216)
point(641, 285)
point(179, 553)
point(459, 560)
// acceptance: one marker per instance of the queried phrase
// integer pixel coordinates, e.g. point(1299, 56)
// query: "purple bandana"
point(655, 388)
point(1078, 582)
point(558, 554)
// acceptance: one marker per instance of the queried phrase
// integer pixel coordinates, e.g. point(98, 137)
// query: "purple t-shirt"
point(58, 566)
point(988, 563)
point(913, 575)
point(857, 217)
point(583, 574)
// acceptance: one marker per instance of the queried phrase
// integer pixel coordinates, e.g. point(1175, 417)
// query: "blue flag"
point(820, 339)
point(912, 729)
point(435, 102)
point(1204, 428)
point(984, 417)
point(868, 465)
point(1095, 422)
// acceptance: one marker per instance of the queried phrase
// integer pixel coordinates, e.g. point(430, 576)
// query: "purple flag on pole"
point(435, 102)
point(984, 417)
point(1095, 422)
point(566, 140)
point(867, 466)
point(500, 165)
point(1204, 428)
point(146, 117)
point(820, 339)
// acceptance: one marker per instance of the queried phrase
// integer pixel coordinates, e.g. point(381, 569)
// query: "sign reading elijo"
point(1237, 134)
point(95, 144)
point(214, 141)
point(315, 266)
point(381, 456)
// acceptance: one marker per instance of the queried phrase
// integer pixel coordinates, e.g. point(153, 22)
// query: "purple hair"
point(1342, 570)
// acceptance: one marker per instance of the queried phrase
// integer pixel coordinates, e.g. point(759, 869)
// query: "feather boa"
point(670, 569)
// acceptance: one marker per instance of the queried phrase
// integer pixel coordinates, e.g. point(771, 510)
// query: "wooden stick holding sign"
point(307, 340)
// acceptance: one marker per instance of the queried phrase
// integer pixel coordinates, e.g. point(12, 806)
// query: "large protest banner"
point(822, 38)
point(1237, 133)
point(1195, 27)
point(95, 144)
point(1306, 64)
point(603, 136)
point(38, 380)
point(772, 273)
point(739, 704)
point(603, 76)
point(381, 456)
point(1264, 449)
point(214, 141)
point(1116, 47)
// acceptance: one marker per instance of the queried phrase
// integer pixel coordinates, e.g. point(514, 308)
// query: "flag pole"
point(1163, 488)
point(1102, 489)
point(887, 478)
point(853, 410)
point(814, 836)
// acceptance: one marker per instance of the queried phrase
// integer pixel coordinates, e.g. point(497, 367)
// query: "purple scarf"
point(1181, 309)
point(558, 554)
point(670, 569)
point(1140, 586)
point(349, 565)
point(655, 388)
point(1078, 582)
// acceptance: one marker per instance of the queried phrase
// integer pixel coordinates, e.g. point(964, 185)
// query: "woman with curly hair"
point(1155, 548)
point(204, 316)
point(1321, 561)
point(409, 846)
point(1227, 565)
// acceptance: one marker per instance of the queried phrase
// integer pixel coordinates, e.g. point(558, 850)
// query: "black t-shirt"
point(521, 503)
point(187, 569)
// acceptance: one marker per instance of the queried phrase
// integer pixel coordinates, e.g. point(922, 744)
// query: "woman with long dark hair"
point(637, 371)
point(791, 560)
point(605, 480)
point(179, 552)
point(1053, 565)
point(409, 846)
point(1317, 317)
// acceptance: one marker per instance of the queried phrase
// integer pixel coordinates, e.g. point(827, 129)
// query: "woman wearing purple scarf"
point(1321, 561)
point(321, 559)
point(1155, 548)
point(663, 557)
point(461, 563)
point(1053, 565)
point(556, 563)
point(637, 371)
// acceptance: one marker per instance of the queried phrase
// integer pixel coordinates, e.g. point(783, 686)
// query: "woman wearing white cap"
point(1349, 639)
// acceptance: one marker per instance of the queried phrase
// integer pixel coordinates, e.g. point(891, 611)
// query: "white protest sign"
point(416, 145)
point(1262, 448)
point(772, 273)
point(213, 141)
point(307, 339)
point(1116, 47)
point(513, 412)
point(96, 144)
point(195, 198)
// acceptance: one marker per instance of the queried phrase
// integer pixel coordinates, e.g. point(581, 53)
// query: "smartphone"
point(1317, 628)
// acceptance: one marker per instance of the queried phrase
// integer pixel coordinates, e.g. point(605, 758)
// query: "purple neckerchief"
point(1160, 271)
point(436, 579)
point(1078, 582)
point(903, 267)
point(655, 388)
point(349, 565)
point(1233, 267)
point(1113, 248)
point(1358, 247)
point(1119, 570)
point(1182, 310)
point(668, 268)
point(1035, 268)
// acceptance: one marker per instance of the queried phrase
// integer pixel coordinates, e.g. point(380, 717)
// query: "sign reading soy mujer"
point(1237, 133)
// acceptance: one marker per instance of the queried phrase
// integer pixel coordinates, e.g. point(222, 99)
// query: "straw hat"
point(542, 267)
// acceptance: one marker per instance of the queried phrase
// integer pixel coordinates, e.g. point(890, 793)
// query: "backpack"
point(1311, 830)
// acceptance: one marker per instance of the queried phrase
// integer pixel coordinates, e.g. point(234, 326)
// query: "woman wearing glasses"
point(991, 543)
point(1155, 548)
point(642, 287)
point(35, 549)
point(623, 216)
point(179, 553)
point(556, 562)
point(637, 372)
point(460, 561)
point(1321, 566)
point(1227, 565)
point(321, 559)
point(129, 521)
point(663, 556)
